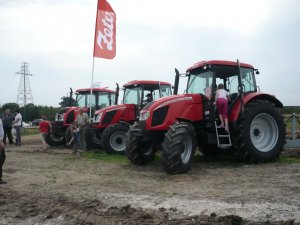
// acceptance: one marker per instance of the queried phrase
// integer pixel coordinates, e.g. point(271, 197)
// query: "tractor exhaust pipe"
point(117, 94)
point(71, 97)
point(176, 82)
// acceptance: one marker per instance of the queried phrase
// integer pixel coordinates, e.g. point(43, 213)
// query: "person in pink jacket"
point(222, 98)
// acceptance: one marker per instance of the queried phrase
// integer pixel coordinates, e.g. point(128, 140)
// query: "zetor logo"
point(108, 31)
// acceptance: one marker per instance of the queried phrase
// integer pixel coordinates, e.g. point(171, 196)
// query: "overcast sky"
point(153, 37)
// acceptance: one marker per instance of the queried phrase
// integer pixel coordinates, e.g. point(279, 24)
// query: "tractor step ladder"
point(223, 136)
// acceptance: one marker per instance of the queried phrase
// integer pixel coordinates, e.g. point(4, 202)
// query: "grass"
point(288, 160)
point(31, 131)
point(224, 159)
point(102, 156)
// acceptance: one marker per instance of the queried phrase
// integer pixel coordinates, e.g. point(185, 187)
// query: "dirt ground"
point(53, 188)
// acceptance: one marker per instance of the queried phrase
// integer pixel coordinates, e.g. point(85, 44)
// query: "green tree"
point(12, 106)
point(48, 111)
point(67, 101)
point(30, 112)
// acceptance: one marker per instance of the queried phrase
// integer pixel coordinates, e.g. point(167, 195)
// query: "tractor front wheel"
point(54, 138)
point(93, 139)
point(261, 132)
point(139, 152)
point(179, 147)
point(114, 137)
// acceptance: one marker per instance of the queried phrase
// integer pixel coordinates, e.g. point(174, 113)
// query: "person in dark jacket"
point(7, 121)
point(2, 152)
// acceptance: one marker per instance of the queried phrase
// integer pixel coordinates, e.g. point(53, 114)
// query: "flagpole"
point(92, 81)
point(91, 92)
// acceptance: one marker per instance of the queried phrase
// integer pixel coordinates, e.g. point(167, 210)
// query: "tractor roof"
point(145, 82)
point(218, 62)
point(95, 90)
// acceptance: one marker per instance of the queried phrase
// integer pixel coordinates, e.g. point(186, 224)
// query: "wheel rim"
point(56, 138)
point(117, 141)
point(264, 132)
point(187, 151)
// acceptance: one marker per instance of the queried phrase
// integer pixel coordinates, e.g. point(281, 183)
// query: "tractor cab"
point(100, 98)
point(237, 81)
point(142, 92)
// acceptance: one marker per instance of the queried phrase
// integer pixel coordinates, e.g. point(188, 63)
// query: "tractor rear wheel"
point(260, 132)
point(179, 147)
point(139, 152)
point(114, 137)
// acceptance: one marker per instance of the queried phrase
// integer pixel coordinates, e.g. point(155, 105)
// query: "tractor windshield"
point(200, 83)
point(132, 95)
point(82, 99)
point(99, 99)
point(165, 90)
point(105, 99)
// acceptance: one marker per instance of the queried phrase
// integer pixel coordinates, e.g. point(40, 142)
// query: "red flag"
point(105, 31)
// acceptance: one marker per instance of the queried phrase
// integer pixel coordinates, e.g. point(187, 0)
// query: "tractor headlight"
point(97, 117)
point(144, 115)
point(59, 117)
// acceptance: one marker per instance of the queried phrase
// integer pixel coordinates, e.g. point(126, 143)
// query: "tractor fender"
point(236, 109)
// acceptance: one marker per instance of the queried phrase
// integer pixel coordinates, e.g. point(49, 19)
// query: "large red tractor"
point(101, 98)
point(178, 124)
point(111, 124)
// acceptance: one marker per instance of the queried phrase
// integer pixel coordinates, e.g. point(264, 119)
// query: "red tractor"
point(101, 98)
point(112, 123)
point(178, 124)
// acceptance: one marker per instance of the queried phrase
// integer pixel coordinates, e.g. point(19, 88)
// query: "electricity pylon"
point(24, 93)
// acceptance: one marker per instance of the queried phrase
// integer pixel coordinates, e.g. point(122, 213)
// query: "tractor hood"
point(173, 100)
point(64, 112)
point(113, 114)
point(160, 114)
point(114, 107)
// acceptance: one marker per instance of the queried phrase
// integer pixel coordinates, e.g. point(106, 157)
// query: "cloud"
point(153, 37)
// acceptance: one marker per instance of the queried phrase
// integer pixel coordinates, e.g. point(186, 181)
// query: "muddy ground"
point(53, 187)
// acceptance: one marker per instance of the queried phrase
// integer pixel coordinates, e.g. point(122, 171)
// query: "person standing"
point(17, 124)
point(7, 121)
point(2, 151)
point(82, 121)
point(44, 126)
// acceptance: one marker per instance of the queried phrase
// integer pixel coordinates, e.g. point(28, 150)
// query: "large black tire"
point(113, 138)
point(260, 134)
point(68, 137)
point(55, 139)
point(137, 151)
point(93, 140)
point(179, 147)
